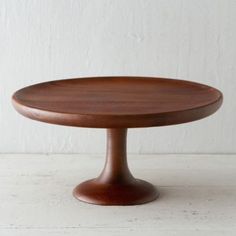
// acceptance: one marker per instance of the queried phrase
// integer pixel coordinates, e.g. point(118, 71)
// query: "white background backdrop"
point(44, 40)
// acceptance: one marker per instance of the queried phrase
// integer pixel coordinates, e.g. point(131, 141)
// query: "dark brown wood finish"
point(117, 103)
point(116, 185)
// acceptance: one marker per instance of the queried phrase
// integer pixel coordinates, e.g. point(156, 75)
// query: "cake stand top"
point(117, 102)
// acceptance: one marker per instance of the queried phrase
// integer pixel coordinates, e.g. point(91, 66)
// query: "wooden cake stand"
point(117, 103)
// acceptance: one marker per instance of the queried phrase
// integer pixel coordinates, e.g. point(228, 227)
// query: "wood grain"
point(117, 102)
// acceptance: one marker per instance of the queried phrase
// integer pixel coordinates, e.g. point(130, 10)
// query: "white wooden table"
point(198, 197)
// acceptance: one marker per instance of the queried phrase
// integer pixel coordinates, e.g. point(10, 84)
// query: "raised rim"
point(119, 121)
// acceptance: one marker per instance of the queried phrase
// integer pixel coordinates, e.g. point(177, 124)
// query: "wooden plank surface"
point(198, 195)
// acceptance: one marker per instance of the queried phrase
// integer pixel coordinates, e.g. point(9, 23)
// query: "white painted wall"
point(44, 40)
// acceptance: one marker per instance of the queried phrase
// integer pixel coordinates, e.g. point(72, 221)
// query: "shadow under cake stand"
point(117, 103)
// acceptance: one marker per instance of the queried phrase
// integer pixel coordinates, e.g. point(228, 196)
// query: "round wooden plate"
point(117, 102)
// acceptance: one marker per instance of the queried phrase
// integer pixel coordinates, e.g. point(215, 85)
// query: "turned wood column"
point(116, 168)
point(116, 185)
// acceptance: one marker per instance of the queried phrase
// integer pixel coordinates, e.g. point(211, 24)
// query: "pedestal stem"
point(116, 169)
point(116, 185)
